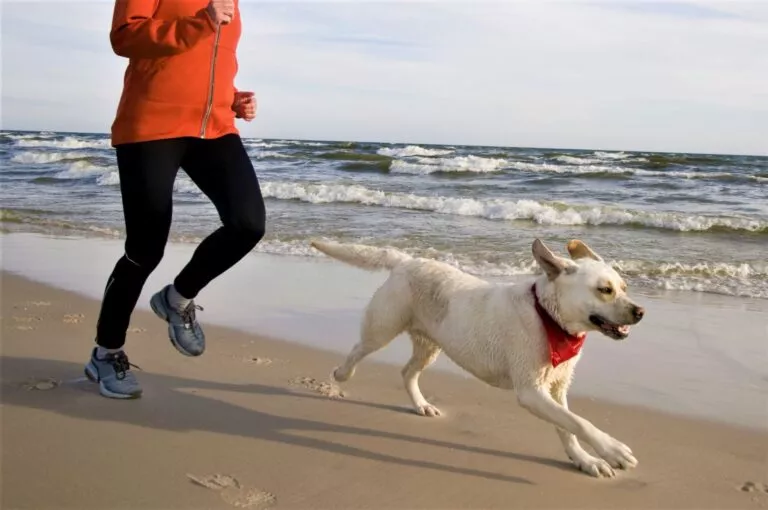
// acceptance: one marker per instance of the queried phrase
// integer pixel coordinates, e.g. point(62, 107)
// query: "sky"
point(614, 74)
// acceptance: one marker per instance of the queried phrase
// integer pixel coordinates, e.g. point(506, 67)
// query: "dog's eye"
point(605, 290)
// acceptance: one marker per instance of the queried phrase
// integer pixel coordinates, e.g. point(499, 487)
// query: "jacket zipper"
point(209, 104)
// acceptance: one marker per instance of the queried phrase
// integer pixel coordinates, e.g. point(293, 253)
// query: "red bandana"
point(562, 345)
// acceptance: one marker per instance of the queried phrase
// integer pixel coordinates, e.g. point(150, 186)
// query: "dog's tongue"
point(624, 330)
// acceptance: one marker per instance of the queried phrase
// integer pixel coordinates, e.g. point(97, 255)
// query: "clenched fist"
point(244, 105)
point(221, 11)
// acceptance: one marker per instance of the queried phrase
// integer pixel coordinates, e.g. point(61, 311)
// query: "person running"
point(177, 111)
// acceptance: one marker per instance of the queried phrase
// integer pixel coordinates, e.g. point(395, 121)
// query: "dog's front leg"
point(583, 460)
point(541, 404)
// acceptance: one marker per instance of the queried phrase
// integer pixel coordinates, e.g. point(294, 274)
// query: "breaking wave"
point(500, 209)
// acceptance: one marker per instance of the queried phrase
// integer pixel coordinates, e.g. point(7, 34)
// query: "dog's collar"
point(562, 345)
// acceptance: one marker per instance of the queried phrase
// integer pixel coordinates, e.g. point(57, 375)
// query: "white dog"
point(521, 337)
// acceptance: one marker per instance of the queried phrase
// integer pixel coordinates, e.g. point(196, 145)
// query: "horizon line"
point(765, 155)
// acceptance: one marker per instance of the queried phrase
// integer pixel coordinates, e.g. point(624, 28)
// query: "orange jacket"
point(181, 70)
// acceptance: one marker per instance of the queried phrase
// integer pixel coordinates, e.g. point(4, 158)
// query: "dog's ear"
point(579, 250)
point(549, 262)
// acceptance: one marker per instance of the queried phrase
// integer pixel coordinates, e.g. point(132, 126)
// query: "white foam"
point(587, 166)
point(82, 169)
point(299, 142)
point(611, 155)
point(261, 154)
point(41, 158)
point(500, 209)
point(457, 164)
point(68, 142)
point(258, 144)
point(742, 280)
point(108, 179)
point(571, 160)
point(410, 151)
point(28, 136)
point(568, 169)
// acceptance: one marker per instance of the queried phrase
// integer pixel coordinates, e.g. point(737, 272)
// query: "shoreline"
point(253, 408)
point(683, 360)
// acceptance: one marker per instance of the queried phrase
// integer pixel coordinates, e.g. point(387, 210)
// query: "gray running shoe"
point(183, 329)
point(113, 373)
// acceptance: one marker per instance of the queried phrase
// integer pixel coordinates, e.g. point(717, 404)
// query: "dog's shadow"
point(181, 411)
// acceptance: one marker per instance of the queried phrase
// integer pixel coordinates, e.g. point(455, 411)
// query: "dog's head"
point(586, 293)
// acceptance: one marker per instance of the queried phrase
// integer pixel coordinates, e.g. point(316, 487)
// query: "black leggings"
point(223, 171)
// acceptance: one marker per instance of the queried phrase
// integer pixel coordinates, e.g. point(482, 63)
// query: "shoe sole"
point(94, 378)
point(160, 312)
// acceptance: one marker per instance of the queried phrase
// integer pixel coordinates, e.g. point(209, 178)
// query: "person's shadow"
point(185, 411)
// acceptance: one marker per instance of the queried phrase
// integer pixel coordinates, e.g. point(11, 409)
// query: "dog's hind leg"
point(385, 317)
point(425, 352)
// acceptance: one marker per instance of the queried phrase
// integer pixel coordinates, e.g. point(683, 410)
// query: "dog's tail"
point(364, 257)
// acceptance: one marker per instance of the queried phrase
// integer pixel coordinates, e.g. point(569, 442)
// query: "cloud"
point(625, 75)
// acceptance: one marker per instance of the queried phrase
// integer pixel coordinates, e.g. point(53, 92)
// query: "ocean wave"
point(611, 155)
point(412, 150)
point(68, 142)
point(260, 144)
point(587, 169)
point(458, 164)
point(354, 156)
point(42, 221)
point(108, 179)
point(573, 160)
point(744, 279)
point(262, 154)
point(83, 169)
point(42, 158)
point(366, 166)
point(27, 136)
point(300, 142)
point(500, 209)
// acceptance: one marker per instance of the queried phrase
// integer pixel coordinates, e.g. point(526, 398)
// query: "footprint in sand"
point(137, 330)
point(754, 487)
point(25, 323)
point(233, 493)
point(27, 319)
point(38, 303)
point(257, 360)
point(43, 384)
point(26, 305)
point(254, 360)
point(327, 389)
point(73, 318)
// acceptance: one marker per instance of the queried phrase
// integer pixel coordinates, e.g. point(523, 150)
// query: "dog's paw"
point(616, 453)
point(428, 410)
point(340, 375)
point(591, 465)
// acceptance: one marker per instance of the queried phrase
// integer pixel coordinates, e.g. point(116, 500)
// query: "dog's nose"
point(638, 312)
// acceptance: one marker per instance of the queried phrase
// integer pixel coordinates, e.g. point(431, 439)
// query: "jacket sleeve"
point(135, 34)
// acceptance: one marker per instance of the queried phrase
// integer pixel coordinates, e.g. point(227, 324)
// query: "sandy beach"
point(252, 423)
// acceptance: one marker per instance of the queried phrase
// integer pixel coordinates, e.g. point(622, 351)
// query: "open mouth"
point(608, 328)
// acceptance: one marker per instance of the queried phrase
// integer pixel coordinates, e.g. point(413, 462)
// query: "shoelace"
point(188, 315)
point(121, 365)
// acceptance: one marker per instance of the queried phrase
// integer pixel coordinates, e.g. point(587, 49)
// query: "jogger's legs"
point(223, 171)
point(147, 173)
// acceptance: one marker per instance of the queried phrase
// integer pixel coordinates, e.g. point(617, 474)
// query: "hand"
point(245, 105)
point(221, 11)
